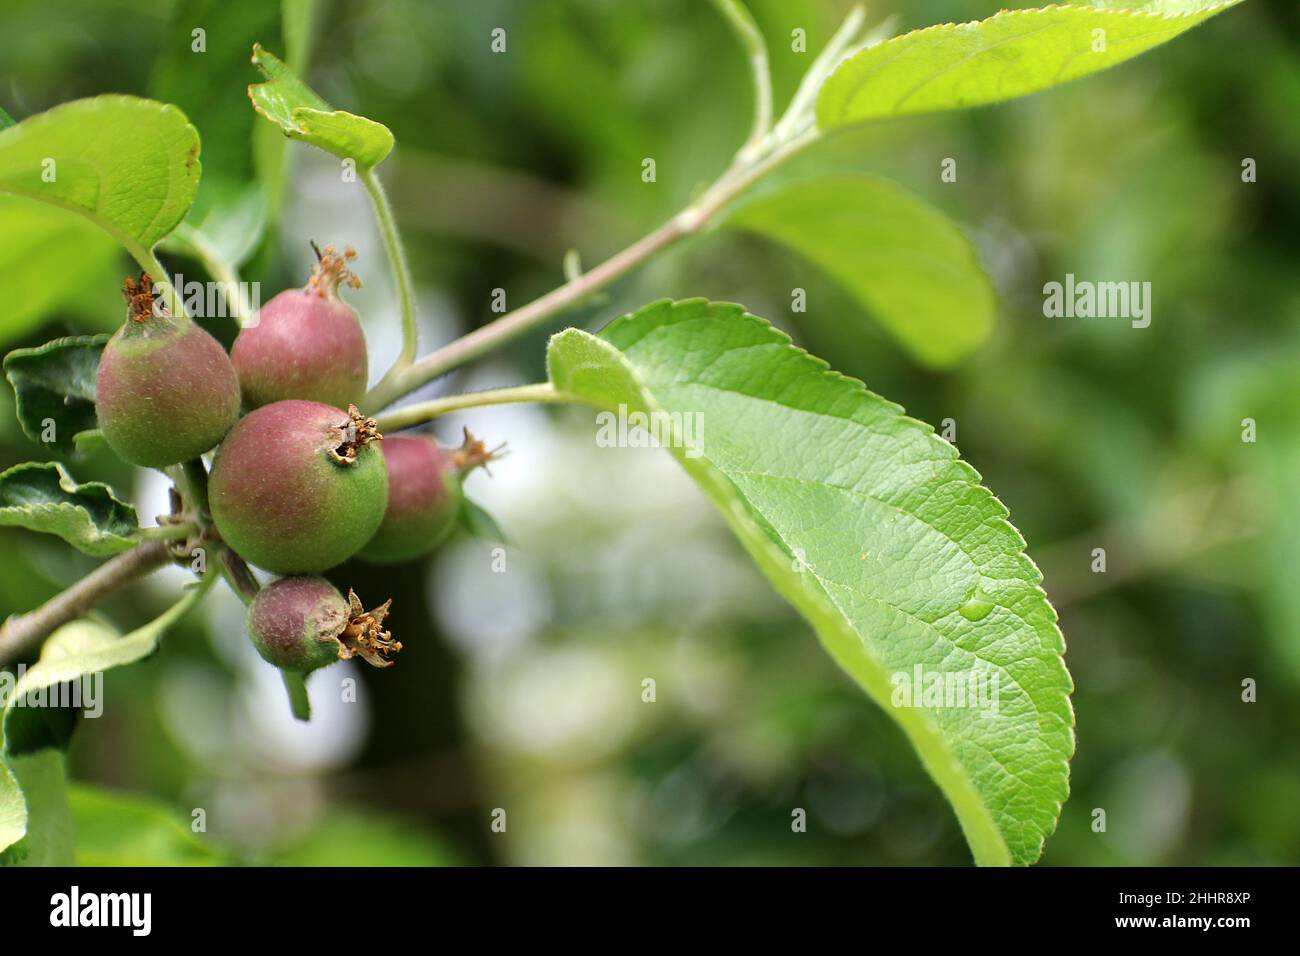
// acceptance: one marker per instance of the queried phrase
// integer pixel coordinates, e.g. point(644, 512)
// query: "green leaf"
point(73, 651)
point(13, 813)
point(875, 530)
point(89, 647)
point(1012, 53)
point(77, 649)
point(6, 120)
point(293, 106)
point(48, 832)
point(903, 260)
point(478, 522)
point(55, 383)
point(118, 829)
point(42, 496)
point(356, 838)
point(210, 87)
point(130, 165)
point(41, 242)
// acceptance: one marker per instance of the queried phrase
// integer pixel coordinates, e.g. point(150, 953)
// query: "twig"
point(23, 633)
point(742, 24)
point(409, 415)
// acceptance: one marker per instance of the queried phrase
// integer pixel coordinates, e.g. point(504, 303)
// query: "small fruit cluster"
point(302, 481)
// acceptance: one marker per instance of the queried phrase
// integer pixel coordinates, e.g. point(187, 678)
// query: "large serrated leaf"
point(902, 259)
point(42, 496)
point(875, 530)
point(130, 165)
point(1011, 54)
point(294, 106)
point(54, 386)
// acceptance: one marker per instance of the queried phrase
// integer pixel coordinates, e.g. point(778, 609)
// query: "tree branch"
point(488, 337)
point(24, 633)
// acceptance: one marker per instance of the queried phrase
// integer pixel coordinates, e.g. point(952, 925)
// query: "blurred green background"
point(522, 689)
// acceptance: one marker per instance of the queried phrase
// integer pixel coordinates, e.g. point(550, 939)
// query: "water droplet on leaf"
point(977, 605)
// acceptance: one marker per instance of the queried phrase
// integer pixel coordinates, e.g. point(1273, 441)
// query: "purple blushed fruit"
point(166, 391)
point(307, 342)
point(298, 487)
point(303, 623)
point(424, 495)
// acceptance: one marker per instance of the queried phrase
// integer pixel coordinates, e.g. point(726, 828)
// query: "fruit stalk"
point(401, 269)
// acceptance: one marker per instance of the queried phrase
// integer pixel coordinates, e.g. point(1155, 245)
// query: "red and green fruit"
point(424, 495)
point(299, 486)
point(307, 342)
point(165, 390)
point(300, 624)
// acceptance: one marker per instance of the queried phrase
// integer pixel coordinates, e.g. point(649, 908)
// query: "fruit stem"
point(194, 476)
point(162, 282)
point(299, 703)
point(238, 576)
point(421, 412)
point(401, 269)
point(169, 532)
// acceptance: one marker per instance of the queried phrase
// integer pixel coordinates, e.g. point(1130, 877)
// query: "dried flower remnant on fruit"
point(332, 270)
point(139, 296)
point(357, 432)
point(364, 636)
point(473, 453)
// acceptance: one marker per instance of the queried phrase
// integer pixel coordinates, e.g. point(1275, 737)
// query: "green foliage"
point(71, 652)
point(118, 829)
point(47, 836)
point(42, 496)
point(210, 88)
point(41, 242)
point(293, 106)
point(1011, 54)
point(476, 520)
point(876, 531)
point(353, 838)
point(131, 165)
point(55, 382)
point(907, 264)
point(13, 812)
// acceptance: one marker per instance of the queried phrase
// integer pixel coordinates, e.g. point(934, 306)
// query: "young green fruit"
point(307, 343)
point(300, 624)
point(424, 495)
point(165, 391)
point(298, 486)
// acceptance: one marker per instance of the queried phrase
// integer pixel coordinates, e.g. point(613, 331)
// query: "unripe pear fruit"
point(424, 495)
point(165, 391)
point(300, 624)
point(307, 343)
point(298, 486)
